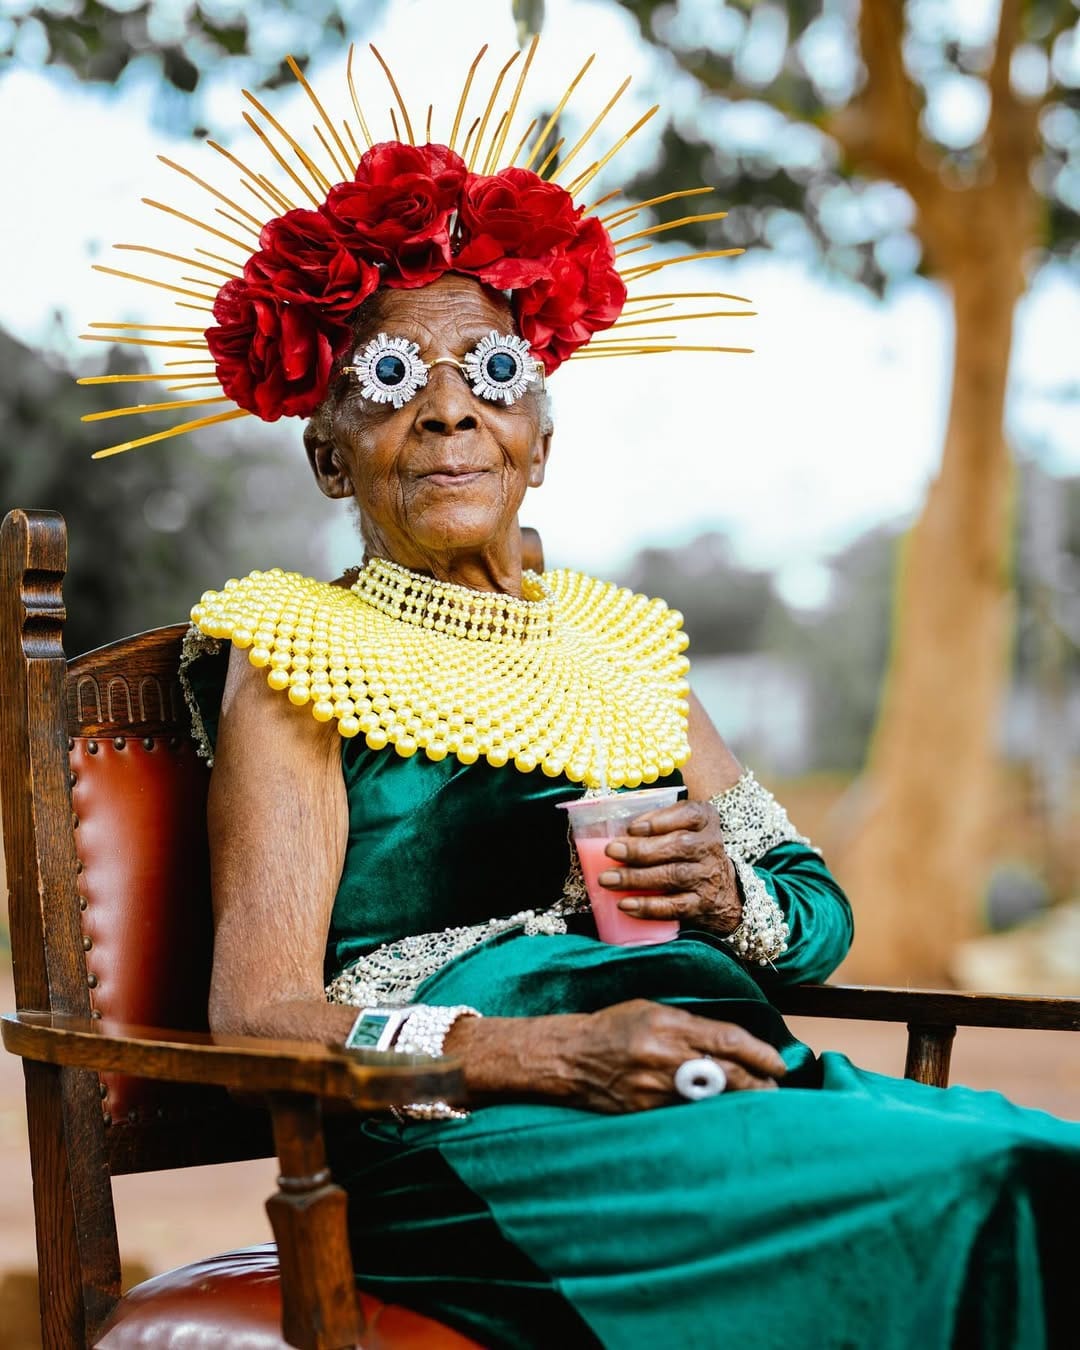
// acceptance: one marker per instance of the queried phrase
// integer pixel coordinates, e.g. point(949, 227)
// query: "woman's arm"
point(278, 822)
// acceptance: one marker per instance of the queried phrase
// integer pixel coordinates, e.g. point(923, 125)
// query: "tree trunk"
point(916, 866)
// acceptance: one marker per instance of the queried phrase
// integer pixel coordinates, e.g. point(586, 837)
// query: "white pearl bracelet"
point(752, 820)
point(424, 1032)
point(763, 933)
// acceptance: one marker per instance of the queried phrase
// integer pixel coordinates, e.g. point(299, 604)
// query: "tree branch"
point(1012, 125)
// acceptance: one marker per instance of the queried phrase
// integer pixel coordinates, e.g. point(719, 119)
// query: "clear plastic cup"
point(594, 822)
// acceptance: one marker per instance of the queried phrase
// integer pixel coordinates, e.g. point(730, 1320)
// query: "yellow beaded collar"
point(580, 677)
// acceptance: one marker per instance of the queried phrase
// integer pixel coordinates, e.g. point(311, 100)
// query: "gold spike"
point(397, 92)
point(595, 123)
point(147, 281)
point(641, 248)
point(172, 211)
point(672, 225)
point(235, 220)
point(352, 141)
point(643, 351)
point(287, 204)
point(133, 379)
point(607, 197)
point(582, 181)
point(152, 408)
point(255, 177)
point(468, 138)
point(558, 109)
point(201, 361)
point(172, 431)
point(142, 342)
point(649, 309)
point(652, 201)
point(270, 205)
point(681, 318)
point(355, 101)
point(150, 327)
point(322, 185)
point(321, 111)
point(207, 187)
point(500, 140)
point(342, 175)
point(199, 309)
point(427, 129)
point(521, 143)
point(689, 295)
point(239, 267)
point(202, 384)
point(632, 339)
point(175, 257)
point(489, 162)
point(554, 151)
point(487, 111)
point(393, 123)
point(465, 95)
point(645, 269)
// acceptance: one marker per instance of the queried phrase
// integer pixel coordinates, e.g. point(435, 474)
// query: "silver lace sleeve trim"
point(196, 644)
point(390, 975)
point(753, 821)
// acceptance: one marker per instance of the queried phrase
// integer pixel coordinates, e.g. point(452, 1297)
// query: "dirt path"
point(168, 1218)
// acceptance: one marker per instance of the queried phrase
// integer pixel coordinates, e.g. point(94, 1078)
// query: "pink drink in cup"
point(595, 821)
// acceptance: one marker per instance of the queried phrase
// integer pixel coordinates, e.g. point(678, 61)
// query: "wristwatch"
point(375, 1028)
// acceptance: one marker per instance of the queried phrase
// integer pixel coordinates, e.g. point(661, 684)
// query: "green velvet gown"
point(846, 1210)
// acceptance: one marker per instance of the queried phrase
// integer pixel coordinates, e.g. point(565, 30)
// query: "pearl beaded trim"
point(752, 820)
point(763, 933)
point(580, 677)
point(424, 1032)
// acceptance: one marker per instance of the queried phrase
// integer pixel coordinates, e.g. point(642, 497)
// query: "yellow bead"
point(405, 746)
point(468, 754)
point(435, 750)
point(348, 727)
point(259, 656)
point(298, 695)
point(278, 679)
point(376, 740)
point(497, 756)
point(241, 637)
point(322, 711)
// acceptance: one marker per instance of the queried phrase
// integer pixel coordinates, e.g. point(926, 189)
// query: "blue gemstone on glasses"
point(502, 367)
point(390, 370)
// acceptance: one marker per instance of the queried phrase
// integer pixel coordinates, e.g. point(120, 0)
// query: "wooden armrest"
point(940, 1007)
point(368, 1079)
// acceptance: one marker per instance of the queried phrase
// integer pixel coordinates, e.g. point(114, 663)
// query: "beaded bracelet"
point(752, 820)
point(424, 1032)
point(763, 933)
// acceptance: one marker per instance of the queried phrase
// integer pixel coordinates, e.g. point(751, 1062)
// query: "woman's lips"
point(456, 477)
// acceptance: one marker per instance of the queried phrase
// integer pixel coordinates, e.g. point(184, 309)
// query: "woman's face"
point(446, 473)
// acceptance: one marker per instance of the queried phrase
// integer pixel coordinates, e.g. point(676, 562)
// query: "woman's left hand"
point(679, 852)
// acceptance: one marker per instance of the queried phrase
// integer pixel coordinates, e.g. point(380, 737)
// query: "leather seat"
point(233, 1302)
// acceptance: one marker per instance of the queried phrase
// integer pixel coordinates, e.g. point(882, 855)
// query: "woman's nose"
point(446, 404)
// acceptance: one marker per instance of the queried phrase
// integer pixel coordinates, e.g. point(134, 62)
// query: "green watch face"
point(365, 1034)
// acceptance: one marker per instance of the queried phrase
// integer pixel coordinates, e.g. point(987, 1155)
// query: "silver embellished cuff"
point(752, 820)
point(763, 933)
point(424, 1032)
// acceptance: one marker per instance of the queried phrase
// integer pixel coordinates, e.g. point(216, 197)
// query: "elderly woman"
point(389, 868)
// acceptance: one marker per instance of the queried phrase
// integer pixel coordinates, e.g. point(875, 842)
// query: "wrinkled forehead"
point(445, 314)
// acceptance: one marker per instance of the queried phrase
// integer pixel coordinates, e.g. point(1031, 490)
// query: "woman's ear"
point(326, 464)
point(538, 459)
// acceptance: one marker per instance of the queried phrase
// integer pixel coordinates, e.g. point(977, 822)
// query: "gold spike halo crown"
point(334, 222)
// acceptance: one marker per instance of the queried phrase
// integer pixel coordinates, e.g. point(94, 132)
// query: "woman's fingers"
point(680, 816)
point(726, 1041)
point(671, 878)
point(741, 1080)
point(652, 850)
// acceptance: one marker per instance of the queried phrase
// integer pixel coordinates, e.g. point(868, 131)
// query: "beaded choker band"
point(442, 607)
point(586, 680)
point(331, 222)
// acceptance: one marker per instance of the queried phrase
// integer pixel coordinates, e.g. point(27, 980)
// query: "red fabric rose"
point(581, 295)
point(397, 210)
point(302, 259)
point(273, 356)
point(510, 223)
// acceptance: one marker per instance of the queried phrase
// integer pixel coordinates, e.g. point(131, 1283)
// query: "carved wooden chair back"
point(104, 831)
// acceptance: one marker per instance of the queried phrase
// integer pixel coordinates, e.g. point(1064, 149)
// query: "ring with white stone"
point(696, 1079)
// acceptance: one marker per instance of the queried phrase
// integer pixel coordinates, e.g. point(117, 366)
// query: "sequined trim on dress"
point(194, 646)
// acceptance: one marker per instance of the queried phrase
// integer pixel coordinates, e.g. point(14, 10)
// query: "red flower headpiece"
point(407, 215)
point(411, 214)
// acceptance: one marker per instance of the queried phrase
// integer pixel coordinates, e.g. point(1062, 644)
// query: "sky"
point(832, 426)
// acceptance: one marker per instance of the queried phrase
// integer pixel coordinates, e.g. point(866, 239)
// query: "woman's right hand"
point(619, 1059)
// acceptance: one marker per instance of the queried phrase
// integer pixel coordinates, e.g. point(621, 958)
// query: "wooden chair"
point(103, 802)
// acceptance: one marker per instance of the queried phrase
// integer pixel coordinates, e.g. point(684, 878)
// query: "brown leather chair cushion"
point(144, 882)
point(233, 1302)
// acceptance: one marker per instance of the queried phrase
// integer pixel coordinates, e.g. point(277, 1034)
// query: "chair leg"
point(929, 1050)
point(320, 1309)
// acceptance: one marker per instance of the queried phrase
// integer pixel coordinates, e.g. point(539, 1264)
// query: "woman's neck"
point(491, 568)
